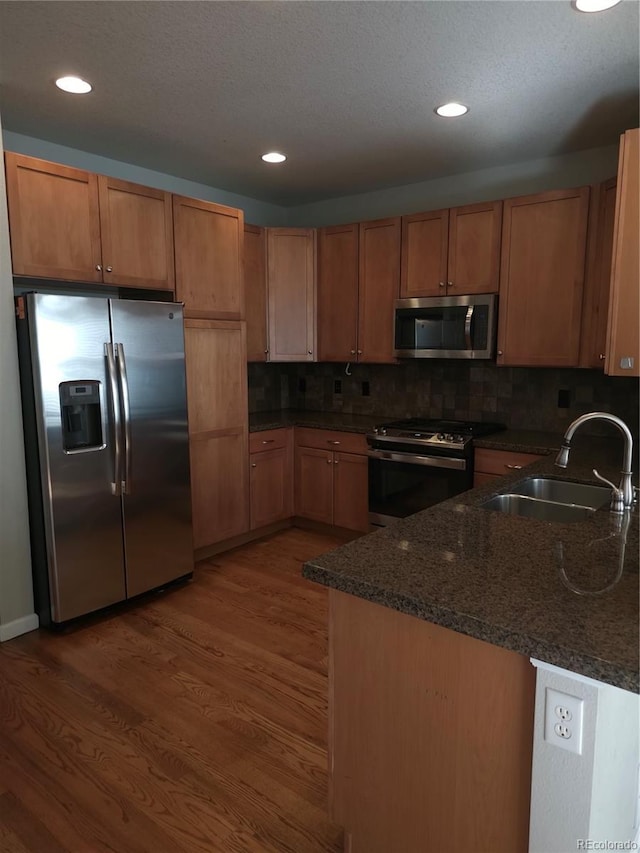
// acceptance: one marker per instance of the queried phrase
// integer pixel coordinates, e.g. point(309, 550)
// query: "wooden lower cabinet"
point(331, 478)
point(430, 735)
point(491, 464)
point(271, 477)
point(215, 358)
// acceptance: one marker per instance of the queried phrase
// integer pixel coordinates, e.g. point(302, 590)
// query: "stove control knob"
point(448, 437)
point(382, 431)
point(458, 438)
point(440, 436)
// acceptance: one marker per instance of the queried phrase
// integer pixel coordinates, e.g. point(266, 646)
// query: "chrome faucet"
point(622, 495)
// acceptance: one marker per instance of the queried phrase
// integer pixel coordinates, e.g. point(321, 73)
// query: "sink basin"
point(542, 510)
point(564, 492)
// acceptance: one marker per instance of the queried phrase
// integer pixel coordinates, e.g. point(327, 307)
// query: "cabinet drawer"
point(501, 461)
point(268, 439)
point(328, 439)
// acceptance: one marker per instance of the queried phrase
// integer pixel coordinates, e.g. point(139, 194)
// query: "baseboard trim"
point(242, 539)
point(18, 627)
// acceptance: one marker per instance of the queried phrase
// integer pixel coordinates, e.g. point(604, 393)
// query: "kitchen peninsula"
point(432, 623)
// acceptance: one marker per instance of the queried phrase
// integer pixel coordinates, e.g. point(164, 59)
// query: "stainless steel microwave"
point(446, 326)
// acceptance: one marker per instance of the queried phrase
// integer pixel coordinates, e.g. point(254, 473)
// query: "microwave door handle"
point(467, 326)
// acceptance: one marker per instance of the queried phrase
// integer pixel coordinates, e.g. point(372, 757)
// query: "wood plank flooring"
point(193, 721)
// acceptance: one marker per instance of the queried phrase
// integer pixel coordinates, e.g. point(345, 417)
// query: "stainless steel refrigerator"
point(107, 449)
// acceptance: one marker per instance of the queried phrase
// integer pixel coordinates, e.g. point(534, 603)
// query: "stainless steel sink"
point(542, 510)
point(564, 492)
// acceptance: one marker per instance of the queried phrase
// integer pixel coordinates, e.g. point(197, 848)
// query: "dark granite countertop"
point(527, 585)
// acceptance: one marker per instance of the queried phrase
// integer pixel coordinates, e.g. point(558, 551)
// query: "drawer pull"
point(268, 440)
point(330, 441)
point(513, 467)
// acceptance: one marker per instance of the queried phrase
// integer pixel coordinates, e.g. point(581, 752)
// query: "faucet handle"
point(617, 495)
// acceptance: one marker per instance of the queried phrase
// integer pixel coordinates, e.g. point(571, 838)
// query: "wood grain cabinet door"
point(255, 291)
point(271, 482)
point(424, 253)
point(136, 225)
point(209, 258)
point(623, 355)
point(54, 220)
point(379, 277)
point(351, 491)
point(215, 353)
point(291, 290)
point(595, 305)
point(542, 278)
point(338, 293)
point(474, 248)
point(314, 484)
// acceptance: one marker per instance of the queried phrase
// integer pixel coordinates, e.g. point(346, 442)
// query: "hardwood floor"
point(194, 721)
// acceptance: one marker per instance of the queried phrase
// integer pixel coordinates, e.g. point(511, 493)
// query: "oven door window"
point(399, 489)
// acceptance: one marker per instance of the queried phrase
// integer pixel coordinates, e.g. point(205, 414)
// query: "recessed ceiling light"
point(75, 85)
point(452, 109)
point(594, 5)
point(273, 157)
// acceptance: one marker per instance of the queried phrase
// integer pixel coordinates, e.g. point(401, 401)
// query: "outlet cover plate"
point(556, 706)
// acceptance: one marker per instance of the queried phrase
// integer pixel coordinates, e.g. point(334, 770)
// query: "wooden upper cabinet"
point(379, 287)
point(136, 226)
point(622, 351)
point(474, 248)
point(542, 278)
point(291, 255)
point(338, 293)
point(255, 292)
point(595, 304)
point(424, 253)
point(54, 220)
point(209, 258)
point(451, 252)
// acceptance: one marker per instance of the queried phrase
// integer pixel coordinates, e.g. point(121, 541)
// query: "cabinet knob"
point(266, 352)
point(253, 464)
point(310, 352)
point(109, 269)
point(353, 352)
point(335, 461)
point(441, 283)
point(328, 461)
point(602, 356)
point(449, 284)
point(499, 352)
point(359, 352)
point(99, 267)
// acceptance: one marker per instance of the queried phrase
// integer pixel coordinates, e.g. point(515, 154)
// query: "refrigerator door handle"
point(116, 484)
point(126, 411)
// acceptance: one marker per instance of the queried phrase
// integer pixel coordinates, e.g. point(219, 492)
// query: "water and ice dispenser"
point(81, 416)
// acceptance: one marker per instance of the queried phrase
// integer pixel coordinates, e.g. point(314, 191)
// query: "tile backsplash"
point(523, 398)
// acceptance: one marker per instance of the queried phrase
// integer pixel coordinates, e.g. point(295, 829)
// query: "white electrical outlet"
point(563, 720)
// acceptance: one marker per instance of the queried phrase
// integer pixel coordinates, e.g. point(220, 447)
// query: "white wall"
point(16, 596)
point(591, 796)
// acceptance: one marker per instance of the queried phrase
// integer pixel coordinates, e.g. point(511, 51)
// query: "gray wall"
point(16, 597)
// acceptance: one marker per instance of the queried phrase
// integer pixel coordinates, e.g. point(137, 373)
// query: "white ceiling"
point(346, 89)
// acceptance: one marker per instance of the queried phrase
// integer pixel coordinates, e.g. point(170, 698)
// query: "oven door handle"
point(415, 459)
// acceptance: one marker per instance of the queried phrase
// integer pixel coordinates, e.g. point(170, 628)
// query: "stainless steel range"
point(416, 463)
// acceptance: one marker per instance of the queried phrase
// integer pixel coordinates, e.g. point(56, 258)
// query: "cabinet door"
point(338, 293)
point(379, 288)
point(218, 427)
point(424, 253)
point(208, 248)
point(314, 484)
point(255, 287)
point(137, 235)
point(54, 220)
point(474, 248)
point(595, 304)
point(351, 491)
point(271, 486)
point(291, 293)
point(623, 357)
point(542, 278)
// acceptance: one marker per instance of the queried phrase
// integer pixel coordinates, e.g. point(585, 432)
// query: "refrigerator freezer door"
point(82, 516)
point(148, 338)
